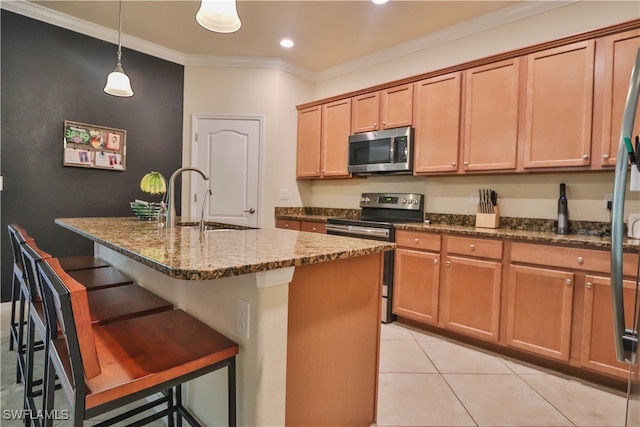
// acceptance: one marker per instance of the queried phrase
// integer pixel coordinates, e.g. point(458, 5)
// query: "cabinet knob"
point(317, 171)
point(416, 241)
point(286, 226)
point(448, 263)
point(375, 124)
point(472, 247)
point(453, 163)
point(435, 260)
point(580, 260)
point(313, 229)
point(589, 285)
point(605, 156)
point(585, 157)
point(466, 163)
point(323, 171)
point(567, 281)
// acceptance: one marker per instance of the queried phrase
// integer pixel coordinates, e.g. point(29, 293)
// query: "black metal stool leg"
point(14, 301)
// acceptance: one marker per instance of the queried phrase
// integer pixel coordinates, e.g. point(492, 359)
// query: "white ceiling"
point(327, 33)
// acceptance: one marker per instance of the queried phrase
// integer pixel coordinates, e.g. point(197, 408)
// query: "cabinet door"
point(437, 124)
point(558, 111)
point(470, 297)
point(335, 137)
point(598, 349)
point(396, 105)
point(313, 227)
point(491, 116)
point(415, 285)
point(539, 311)
point(309, 140)
point(365, 113)
point(619, 58)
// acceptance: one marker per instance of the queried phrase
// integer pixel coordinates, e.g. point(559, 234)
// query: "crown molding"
point(500, 17)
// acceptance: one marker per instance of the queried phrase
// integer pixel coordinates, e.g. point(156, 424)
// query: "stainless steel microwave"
point(385, 151)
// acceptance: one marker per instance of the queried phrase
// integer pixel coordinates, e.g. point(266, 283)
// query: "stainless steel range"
point(379, 212)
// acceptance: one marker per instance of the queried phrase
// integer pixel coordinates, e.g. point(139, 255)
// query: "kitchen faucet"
point(171, 204)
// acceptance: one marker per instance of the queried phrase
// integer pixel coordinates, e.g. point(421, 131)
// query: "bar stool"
point(103, 367)
point(107, 305)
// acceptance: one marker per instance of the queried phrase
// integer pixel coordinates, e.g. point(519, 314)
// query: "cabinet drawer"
point(574, 258)
point(313, 226)
point(418, 240)
point(481, 248)
point(289, 224)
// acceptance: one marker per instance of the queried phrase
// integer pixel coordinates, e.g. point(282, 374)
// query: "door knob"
point(250, 211)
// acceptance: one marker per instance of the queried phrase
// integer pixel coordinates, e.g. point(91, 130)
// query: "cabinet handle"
point(317, 171)
point(472, 248)
point(313, 229)
point(323, 171)
point(589, 285)
point(585, 157)
point(466, 163)
point(605, 156)
point(286, 226)
point(567, 281)
point(435, 261)
point(580, 260)
point(375, 124)
point(453, 163)
point(416, 241)
point(448, 263)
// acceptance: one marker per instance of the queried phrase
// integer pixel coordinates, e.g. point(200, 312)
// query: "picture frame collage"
point(93, 146)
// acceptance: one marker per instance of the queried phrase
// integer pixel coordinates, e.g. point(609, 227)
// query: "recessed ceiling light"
point(286, 43)
point(379, 1)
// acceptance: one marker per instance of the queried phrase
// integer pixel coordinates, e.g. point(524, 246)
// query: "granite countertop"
point(586, 233)
point(185, 253)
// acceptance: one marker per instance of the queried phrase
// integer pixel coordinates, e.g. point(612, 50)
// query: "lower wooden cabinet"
point(597, 350)
point(415, 285)
point(288, 224)
point(313, 227)
point(539, 311)
point(470, 297)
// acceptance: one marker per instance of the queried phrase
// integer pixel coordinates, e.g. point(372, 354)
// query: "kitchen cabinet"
point(558, 113)
point(437, 124)
point(491, 115)
point(313, 226)
point(417, 276)
point(471, 287)
point(597, 350)
point(323, 133)
point(288, 224)
point(540, 304)
point(385, 109)
point(617, 55)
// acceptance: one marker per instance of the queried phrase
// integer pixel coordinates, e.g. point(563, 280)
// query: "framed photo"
point(93, 146)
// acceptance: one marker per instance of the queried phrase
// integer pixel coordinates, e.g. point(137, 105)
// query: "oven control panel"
point(409, 201)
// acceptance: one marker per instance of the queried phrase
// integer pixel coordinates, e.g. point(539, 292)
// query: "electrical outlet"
point(242, 317)
point(608, 197)
point(284, 194)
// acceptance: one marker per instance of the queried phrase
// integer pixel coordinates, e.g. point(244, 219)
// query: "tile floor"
point(426, 380)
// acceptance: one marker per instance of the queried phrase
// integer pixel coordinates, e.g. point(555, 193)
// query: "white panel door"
point(228, 149)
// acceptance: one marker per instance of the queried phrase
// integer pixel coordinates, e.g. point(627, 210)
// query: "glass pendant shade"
point(220, 16)
point(118, 83)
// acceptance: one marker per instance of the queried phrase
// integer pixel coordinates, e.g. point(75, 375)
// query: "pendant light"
point(118, 83)
point(220, 16)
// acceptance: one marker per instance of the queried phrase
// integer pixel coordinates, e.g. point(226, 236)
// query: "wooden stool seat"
point(103, 367)
point(81, 262)
point(100, 278)
point(124, 302)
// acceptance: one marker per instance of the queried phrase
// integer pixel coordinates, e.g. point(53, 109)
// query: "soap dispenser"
point(563, 212)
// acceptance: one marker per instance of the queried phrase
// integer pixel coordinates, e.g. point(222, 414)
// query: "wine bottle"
point(563, 212)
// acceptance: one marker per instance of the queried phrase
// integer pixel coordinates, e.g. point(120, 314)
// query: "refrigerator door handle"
point(625, 340)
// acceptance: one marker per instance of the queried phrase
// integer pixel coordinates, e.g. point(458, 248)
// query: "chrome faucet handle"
point(162, 213)
point(204, 204)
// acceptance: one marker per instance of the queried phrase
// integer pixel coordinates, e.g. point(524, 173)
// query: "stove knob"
point(362, 199)
point(403, 201)
point(415, 202)
point(367, 200)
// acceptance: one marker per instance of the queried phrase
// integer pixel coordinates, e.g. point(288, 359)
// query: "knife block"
point(488, 220)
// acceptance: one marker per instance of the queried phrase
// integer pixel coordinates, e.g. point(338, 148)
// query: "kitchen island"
point(310, 346)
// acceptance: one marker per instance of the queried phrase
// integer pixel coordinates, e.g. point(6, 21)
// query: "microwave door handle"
point(392, 150)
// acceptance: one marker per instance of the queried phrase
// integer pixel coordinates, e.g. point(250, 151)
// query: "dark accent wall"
point(49, 75)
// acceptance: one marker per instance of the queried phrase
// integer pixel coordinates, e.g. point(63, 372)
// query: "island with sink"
point(304, 308)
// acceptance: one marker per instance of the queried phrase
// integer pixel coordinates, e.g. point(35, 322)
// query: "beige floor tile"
point(457, 359)
point(582, 404)
point(395, 331)
point(503, 400)
point(418, 400)
point(404, 356)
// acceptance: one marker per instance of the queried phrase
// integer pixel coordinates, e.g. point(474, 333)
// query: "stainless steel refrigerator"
point(626, 336)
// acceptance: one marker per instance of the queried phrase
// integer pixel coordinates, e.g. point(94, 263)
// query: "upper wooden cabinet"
point(385, 109)
point(558, 113)
point(616, 55)
point(491, 99)
point(437, 124)
point(323, 133)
